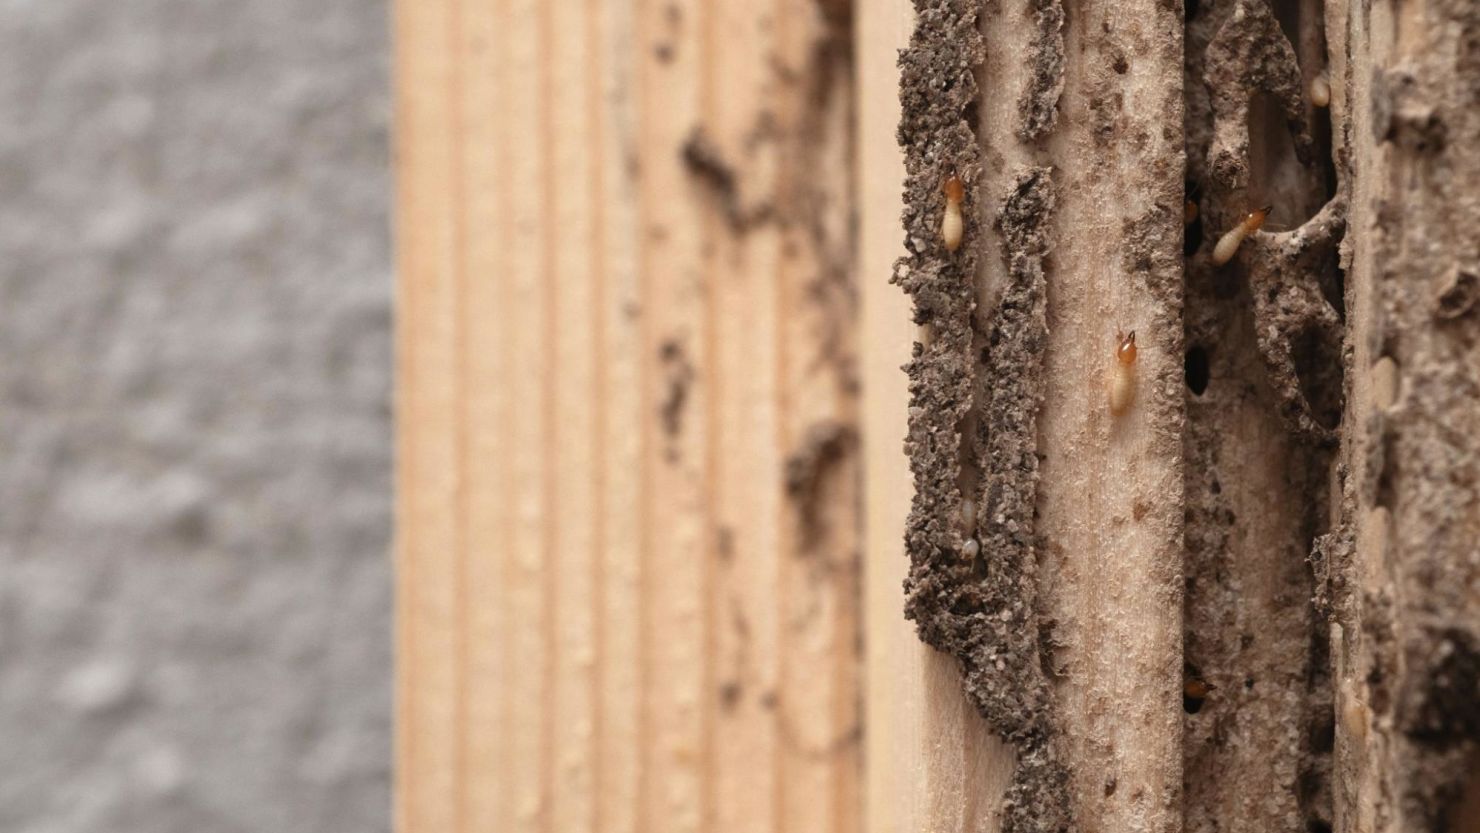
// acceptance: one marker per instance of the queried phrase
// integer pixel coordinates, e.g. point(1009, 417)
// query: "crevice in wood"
point(1260, 429)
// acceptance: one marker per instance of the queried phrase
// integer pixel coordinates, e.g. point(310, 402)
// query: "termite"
point(1320, 89)
point(1194, 691)
point(968, 515)
point(1229, 243)
point(1189, 212)
point(950, 224)
point(1123, 375)
point(970, 549)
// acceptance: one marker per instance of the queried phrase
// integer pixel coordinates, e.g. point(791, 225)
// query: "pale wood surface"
point(606, 617)
point(1110, 495)
point(611, 615)
point(932, 766)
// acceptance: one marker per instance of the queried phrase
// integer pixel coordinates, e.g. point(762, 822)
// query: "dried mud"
point(979, 609)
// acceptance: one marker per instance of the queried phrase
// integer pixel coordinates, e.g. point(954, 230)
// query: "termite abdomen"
point(1320, 89)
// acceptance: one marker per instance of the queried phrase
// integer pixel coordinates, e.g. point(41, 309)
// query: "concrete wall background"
point(194, 416)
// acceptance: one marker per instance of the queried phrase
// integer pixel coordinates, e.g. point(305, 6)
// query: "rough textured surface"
point(979, 609)
point(983, 609)
point(194, 311)
point(1376, 350)
point(1405, 567)
point(1299, 333)
point(1005, 574)
point(1038, 108)
point(1332, 581)
point(1264, 375)
point(1249, 56)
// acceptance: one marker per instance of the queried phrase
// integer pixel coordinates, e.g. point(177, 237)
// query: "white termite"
point(1228, 244)
point(951, 225)
point(1123, 373)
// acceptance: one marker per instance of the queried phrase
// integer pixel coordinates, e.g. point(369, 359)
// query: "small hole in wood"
point(1196, 366)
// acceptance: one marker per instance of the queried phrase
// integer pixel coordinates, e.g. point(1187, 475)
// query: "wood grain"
point(628, 549)
point(1110, 495)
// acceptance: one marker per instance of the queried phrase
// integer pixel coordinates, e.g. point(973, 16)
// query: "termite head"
point(1195, 691)
point(955, 191)
point(1125, 347)
point(1255, 220)
point(971, 549)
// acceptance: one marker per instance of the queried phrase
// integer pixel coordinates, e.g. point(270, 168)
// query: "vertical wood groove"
point(549, 352)
point(783, 395)
point(605, 623)
point(507, 347)
point(600, 299)
point(457, 176)
point(778, 435)
point(713, 392)
point(645, 451)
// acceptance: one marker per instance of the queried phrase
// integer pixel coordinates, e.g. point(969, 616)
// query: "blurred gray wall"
point(194, 416)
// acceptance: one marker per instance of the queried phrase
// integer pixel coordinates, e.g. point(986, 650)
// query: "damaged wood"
point(1406, 567)
point(1260, 421)
point(1009, 409)
point(652, 490)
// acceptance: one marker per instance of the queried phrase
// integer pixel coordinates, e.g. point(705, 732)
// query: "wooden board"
point(628, 559)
